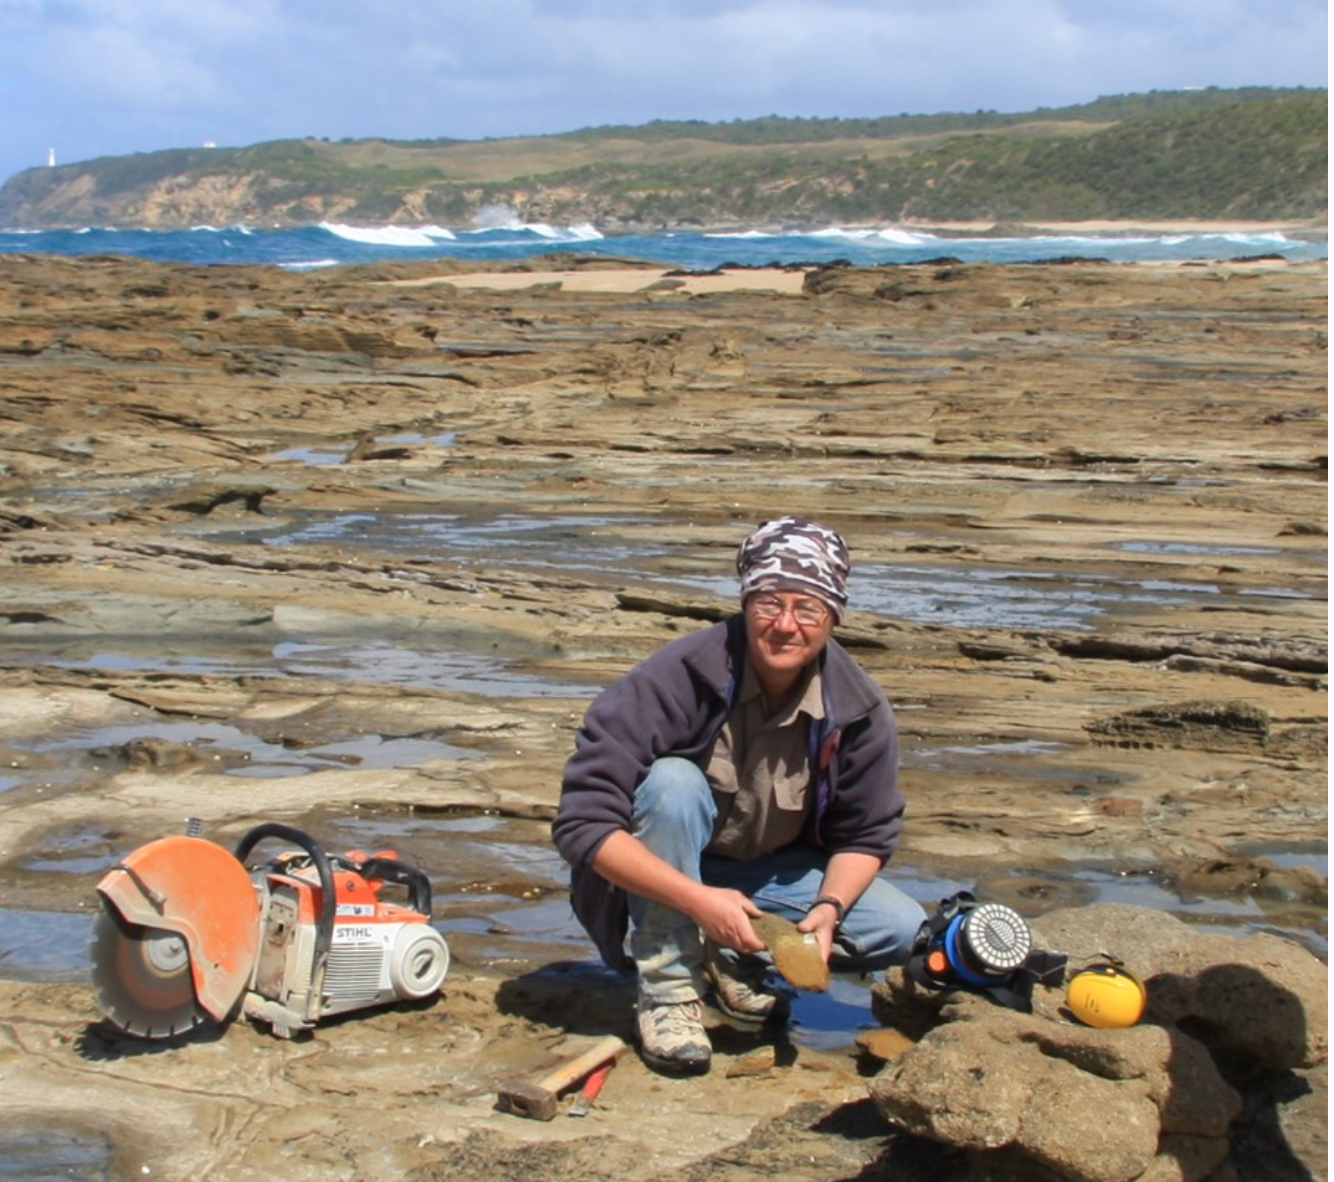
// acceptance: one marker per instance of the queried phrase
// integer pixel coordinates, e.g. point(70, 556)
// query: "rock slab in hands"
point(797, 955)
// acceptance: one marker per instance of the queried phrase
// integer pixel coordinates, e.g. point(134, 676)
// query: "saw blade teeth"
point(142, 978)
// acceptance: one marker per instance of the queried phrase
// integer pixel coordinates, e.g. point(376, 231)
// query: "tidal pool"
point(622, 550)
point(238, 751)
point(51, 1153)
point(500, 891)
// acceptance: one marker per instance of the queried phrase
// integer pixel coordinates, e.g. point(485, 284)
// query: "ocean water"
point(329, 244)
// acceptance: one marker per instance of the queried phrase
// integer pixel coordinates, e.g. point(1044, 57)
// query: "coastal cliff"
point(1244, 155)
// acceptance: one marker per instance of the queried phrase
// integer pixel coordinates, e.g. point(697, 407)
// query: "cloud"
point(141, 53)
point(110, 76)
point(572, 63)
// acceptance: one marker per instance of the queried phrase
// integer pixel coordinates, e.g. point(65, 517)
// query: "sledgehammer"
point(538, 1098)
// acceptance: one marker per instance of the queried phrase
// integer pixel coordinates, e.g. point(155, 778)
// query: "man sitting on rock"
point(748, 767)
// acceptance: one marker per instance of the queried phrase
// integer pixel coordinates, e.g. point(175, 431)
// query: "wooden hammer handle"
point(575, 1069)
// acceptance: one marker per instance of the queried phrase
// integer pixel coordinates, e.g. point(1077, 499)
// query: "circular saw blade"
point(142, 977)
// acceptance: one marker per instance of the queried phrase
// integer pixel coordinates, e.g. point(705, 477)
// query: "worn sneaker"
point(672, 1036)
point(739, 990)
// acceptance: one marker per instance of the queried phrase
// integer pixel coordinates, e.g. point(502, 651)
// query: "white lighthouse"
point(50, 158)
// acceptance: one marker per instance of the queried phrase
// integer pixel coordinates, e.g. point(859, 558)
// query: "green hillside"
point(1248, 154)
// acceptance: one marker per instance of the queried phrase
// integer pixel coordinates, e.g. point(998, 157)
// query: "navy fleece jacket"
point(675, 703)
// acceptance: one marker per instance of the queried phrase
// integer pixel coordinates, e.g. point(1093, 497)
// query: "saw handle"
point(328, 904)
point(391, 870)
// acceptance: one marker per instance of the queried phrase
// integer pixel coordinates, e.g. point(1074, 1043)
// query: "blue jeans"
point(673, 816)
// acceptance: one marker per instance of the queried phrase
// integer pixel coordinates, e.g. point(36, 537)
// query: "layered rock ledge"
point(351, 549)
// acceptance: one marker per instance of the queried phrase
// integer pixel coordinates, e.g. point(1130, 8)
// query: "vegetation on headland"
point(1252, 154)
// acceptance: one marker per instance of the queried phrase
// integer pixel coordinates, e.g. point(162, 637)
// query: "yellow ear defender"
point(1106, 996)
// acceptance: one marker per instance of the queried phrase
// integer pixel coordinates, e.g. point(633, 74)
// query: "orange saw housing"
point(187, 933)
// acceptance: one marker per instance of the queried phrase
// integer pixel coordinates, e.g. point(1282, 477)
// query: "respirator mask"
point(983, 947)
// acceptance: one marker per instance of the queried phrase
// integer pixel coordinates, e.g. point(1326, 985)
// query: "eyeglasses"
point(809, 613)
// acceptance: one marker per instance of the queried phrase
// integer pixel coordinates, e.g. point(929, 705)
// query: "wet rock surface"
point(352, 549)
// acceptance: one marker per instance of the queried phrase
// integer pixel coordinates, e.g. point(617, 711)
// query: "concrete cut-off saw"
point(189, 934)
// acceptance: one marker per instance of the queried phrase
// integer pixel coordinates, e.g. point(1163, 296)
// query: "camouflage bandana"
point(795, 554)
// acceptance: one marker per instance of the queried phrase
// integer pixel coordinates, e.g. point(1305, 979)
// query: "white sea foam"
point(744, 234)
point(1275, 238)
point(389, 235)
point(496, 216)
point(840, 232)
point(580, 233)
point(234, 228)
point(905, 237)
point(317, 246)
point(1063, 241)
point(422, 236)
point(889, 234)
point(542, 230)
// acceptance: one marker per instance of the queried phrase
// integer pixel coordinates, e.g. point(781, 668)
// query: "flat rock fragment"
point(797, 955)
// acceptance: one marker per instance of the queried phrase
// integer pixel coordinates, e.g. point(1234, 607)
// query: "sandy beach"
point(352, 549)
point(625, 281)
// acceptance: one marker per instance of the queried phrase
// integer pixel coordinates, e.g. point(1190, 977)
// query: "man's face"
point(784, 633)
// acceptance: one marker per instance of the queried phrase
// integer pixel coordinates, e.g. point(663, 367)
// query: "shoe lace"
point(743, 987)
point(667, 1016)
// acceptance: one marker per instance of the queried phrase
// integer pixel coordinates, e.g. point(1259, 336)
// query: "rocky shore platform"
point(351, 549)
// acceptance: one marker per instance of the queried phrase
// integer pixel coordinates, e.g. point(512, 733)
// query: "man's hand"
point(724, 917)
point(823, 921)
point(847, 875)
point(722, 914)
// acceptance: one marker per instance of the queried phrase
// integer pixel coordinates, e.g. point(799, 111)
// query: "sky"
point(89, 78)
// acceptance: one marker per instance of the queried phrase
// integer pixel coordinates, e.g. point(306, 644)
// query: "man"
point(748, 767)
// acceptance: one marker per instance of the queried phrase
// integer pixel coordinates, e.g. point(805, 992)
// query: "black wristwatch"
point(839, 910)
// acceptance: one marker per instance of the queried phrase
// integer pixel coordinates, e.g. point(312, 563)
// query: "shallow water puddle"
point(617, 551)
point(315, 456)
point(500, 899)
point(976, 757)
point(45, 945)
point(615, 545)
point(1147, 547)
point(429, 668)
point(161, 741)
point(338, 453)
point(834, 1018)
point(47, 1154)
point(984, 597)
point(1314, 856)
point(623, 550)
point(429, 665)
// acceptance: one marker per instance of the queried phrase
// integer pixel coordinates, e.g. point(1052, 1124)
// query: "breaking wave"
point(501, 234)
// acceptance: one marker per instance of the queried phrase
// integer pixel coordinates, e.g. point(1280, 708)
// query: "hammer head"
point(526, 1097)
point(538, 1098)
